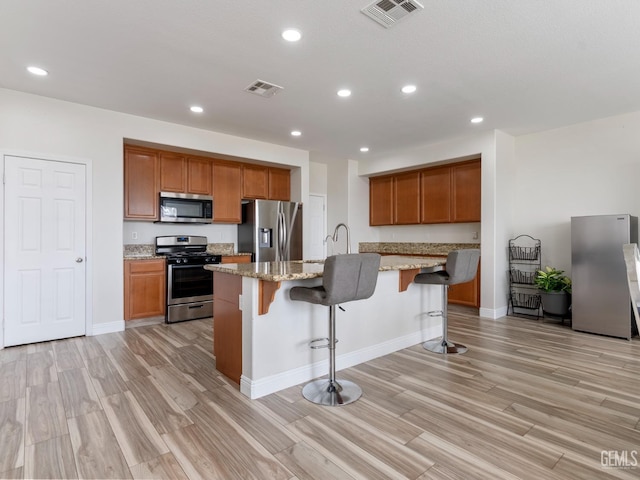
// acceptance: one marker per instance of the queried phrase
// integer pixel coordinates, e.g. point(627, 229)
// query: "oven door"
point(188, 283)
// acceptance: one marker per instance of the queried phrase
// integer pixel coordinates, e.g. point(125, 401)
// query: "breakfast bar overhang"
point(261, 337)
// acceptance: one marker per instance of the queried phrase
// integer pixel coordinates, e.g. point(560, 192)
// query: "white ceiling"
point(524, 65)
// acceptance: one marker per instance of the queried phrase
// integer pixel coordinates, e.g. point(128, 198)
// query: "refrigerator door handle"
point(285, 237)
point(292, 222)
point(280, 238)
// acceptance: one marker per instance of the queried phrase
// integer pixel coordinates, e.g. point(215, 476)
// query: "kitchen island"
point(261, 337)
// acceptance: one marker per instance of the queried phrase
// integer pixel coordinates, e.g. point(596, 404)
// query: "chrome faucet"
point(326, 241)
point(335, 235)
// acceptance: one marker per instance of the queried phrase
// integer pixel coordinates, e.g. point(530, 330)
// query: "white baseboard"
point(493, 313)
point(102, 328)
point(280, 381)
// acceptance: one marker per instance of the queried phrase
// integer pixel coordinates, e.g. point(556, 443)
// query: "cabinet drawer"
point(236, 259)
point(146, 266)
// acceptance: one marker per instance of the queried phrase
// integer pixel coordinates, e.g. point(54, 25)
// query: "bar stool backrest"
point(462, 265)
point(350, 277)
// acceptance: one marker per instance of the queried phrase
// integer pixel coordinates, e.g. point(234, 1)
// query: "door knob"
point(79, 260)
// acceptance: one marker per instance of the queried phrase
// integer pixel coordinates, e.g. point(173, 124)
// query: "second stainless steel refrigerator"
point(271, 230)
point(600, 293)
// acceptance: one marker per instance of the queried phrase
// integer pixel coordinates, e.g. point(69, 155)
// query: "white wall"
point(148, 231)
point(36, 125)
point(591, 168)
point(317, 178)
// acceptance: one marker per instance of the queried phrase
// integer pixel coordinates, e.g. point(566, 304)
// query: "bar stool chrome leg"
point(332, 392)
point(442, 344)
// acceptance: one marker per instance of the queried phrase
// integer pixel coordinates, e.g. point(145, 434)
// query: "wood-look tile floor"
point(530, 399)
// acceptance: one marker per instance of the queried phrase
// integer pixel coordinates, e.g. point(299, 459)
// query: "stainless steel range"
point(189, 285)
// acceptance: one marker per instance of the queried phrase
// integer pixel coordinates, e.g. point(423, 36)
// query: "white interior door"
point(318, 226)
point(44, 250)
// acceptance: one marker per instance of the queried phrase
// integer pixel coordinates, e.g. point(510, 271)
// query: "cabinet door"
point(465, 181)
point(227, 323)
point(436, 195)
point(381, 200)
point(279, 184)
point(406, 199)
point(227, 190)
point(255, 181)
point(144, 288)
point(141, 176)
point(173, 173)
point(199, 176)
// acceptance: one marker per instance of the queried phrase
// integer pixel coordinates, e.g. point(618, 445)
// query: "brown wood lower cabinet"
point(227, 325)
point(467, 294)
point(144, 288)
point(236, 258)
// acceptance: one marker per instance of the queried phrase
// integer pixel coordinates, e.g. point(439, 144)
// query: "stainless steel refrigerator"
point(271, 230)
point(600, 293)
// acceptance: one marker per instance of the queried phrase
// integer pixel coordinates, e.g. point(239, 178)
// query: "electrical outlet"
point(134, 235)
point(475, 235)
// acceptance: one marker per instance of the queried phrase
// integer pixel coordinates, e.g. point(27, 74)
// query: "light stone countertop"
point(306, 269)
point(413, 248)
point(146, 251)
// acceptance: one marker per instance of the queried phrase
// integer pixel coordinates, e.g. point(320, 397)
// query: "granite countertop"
point(148, 250)
point(409, 248)
point(305, 269)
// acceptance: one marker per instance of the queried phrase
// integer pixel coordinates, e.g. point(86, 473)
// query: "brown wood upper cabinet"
point(279, 184)
point(465, 188)
point(141, 182)
point(255, 181)
point(262, 182)
point(182, 174)
point(149, 171)
point(436, 195)
point(173, 172)
point(381, 200)
point(227, 189)
point(443, 194)
point(406, 198)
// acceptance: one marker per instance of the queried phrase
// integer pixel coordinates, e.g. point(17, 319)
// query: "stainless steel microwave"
point(185, 208)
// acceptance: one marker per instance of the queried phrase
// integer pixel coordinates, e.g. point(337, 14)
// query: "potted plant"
point(555, 291)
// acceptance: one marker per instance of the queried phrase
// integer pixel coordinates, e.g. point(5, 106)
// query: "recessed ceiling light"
point(345, 92)
point(296, 133)
point(196, 109)
point(477, 120)
point(409, 89)
point(38, 71)
point(291, 35)
point(364, 149)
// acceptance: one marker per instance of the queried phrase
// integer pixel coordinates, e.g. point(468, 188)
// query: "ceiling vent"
point(388, 12)
point(262, 88)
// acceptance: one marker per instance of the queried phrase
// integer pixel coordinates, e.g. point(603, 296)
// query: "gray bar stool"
point(346, 278)
point(462, 266)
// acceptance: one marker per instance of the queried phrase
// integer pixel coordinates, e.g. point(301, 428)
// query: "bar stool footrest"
point(336, 393)
point(439, 345)
point(312, 343)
